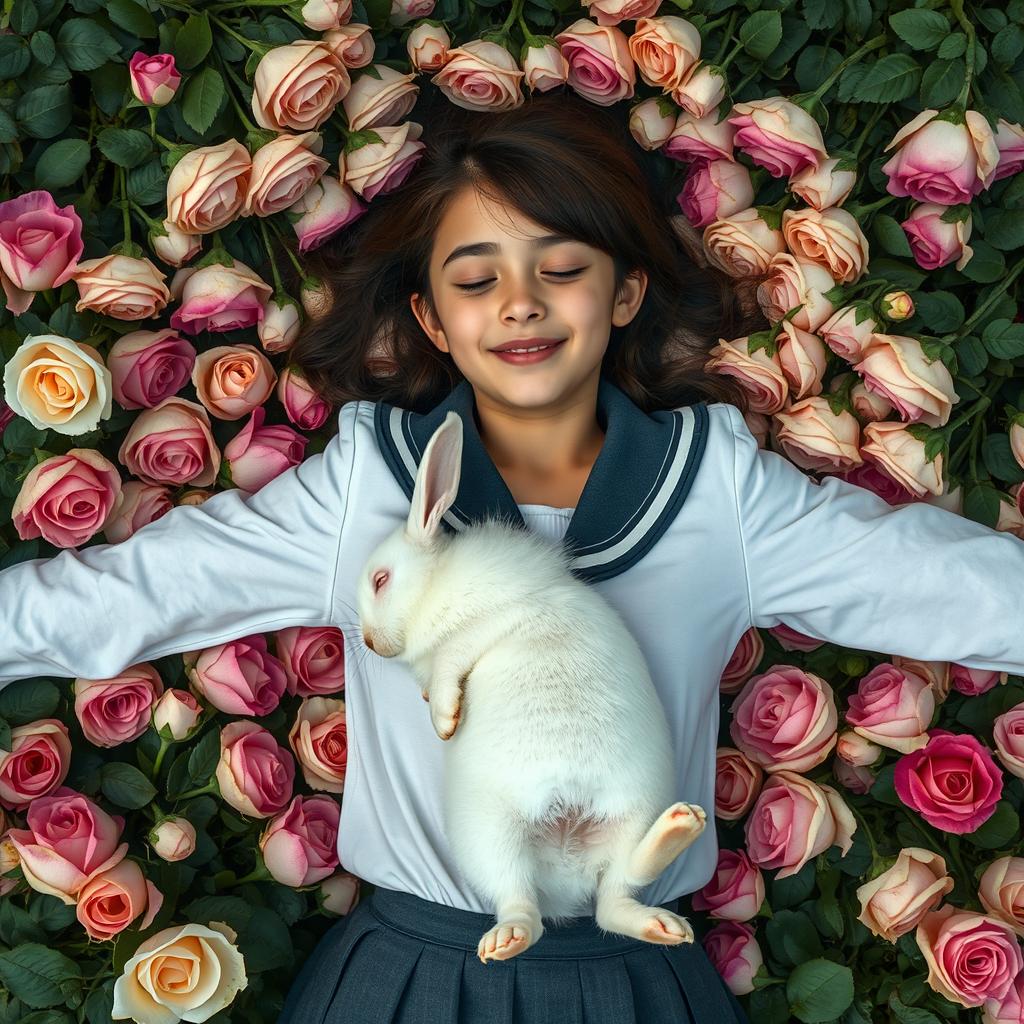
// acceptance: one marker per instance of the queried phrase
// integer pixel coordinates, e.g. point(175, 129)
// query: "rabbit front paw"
point(445, 722)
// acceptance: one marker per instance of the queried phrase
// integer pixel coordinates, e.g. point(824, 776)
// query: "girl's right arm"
point(199, 575)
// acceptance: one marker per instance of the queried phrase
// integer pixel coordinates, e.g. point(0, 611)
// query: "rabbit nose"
point(368, 642)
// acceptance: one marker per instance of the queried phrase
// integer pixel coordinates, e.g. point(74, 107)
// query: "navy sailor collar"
point(636, 486)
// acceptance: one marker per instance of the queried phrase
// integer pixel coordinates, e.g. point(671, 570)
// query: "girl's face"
point(496, 278)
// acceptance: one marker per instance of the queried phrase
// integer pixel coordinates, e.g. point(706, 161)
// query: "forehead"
point(473, 217)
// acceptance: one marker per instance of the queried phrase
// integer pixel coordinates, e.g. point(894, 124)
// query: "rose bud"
point(154, 80)
point(173, 838)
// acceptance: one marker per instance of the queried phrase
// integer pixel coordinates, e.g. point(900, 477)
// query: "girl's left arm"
point(839, 563)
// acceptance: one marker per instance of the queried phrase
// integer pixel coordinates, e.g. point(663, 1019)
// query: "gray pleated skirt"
point(401, 959)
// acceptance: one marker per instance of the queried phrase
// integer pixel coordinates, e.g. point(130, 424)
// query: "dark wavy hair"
point(568, 165)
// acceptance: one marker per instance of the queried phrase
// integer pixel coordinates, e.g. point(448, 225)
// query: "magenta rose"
point(240, 677)
point(221, 298)
point(314, 659)
point(892, 707)
point(155, 79)
point(40, 246)
point(715, 189)
point(973, 682)
point(935, 242)
point(737, 783)
point(258, 453)
point(302, 405)
point(255, 774)
point(736, 891)
point(36, 764)
point(323, 211)
point(735, 954)
point(300, 845)
point(953, 782)
point(148, 366)
point(117, 710)
point(777, 134)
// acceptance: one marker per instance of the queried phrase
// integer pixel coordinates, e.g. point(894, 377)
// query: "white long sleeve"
point(838, 562)
point(197, 576)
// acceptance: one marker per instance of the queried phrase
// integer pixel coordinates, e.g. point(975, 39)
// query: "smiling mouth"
point(532, 348)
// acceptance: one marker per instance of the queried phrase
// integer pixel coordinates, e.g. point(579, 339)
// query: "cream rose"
point(760, 374)
point(121, 286)
point(901, 456)
point(831, 238)
point(353, 44)
point(319, 739)
point(207, 187)
point(812, 436)
point(742, 245)
point(282, 172)
point(374, 100)
point(545, 68)
point(427, 46)
point(895, 902)
point(823, 186)
point(481, 75)
point(377, 168)
point(794, 282)
point(298, 86)
point(231, 380)
point(804, 360)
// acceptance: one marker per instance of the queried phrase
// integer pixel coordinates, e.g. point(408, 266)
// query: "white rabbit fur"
point(558, 771)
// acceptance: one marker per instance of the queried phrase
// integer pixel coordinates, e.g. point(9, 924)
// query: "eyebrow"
point(492, 248)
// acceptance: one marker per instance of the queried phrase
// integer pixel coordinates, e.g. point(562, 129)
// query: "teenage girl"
point(541, 227)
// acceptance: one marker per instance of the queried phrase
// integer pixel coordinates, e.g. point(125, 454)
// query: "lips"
point(536, 343)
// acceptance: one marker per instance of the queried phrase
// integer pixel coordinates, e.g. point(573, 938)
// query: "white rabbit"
point(558, 775)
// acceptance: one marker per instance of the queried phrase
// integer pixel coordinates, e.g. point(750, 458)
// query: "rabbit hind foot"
point(627, 916)
point(514, 933)
point(672, 832)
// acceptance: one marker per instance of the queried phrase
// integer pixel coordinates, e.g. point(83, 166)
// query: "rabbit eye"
point(379, 579)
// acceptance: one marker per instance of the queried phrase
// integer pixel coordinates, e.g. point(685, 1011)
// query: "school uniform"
point(692, 533)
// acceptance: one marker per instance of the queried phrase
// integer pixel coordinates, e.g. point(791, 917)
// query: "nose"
point(368, 642)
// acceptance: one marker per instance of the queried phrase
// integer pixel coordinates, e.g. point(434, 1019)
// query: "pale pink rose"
point(857, 751)
point(258, 453)
point(384, 97)
point(900, 455)
point(785, 718)
point(339, 894)
point(601, 68)
point(321, 15)
point(737, 783)
point(301, 404)
point(280, 325)
point(713, 190)
point(117, 710)
point(892, 708)
point(176, 714)
point(897, 368)
point(221, 298)
point(1009, 1009)
point(735, 954)
point(934, 242)
point(171, 444)
point(702, 90)
point(544, 68)
point(829, 184)
point(113, 898)
point(377, 168)
point(299, 845)
point(240, 677)
point(256, 775)
point(855, 778)
point(173, 838)
point(36, 764)
point(40, 245)
point(934, 672)
point(742, 245)
point(68, 839)
point(972, 682)
point(427, 46)
point(353, 44)
point(298, 86)
point(952, 782)
point(939, 161)
point(67, 499)
point(319, 739)
point(831, 238)
point(804, 360)
point(1010, 143)
point(665, 50)
point(848, 330)
point(897, 306)
point(700, 138)
point(651, 122)
point(404, 11)
point(323, 211)
point(282, 171)
point(869, 406)
point(894, 902)
point(813, 437)
point(148, 366)
point(778, 135)
point(121, 286)
point(735, 892)
point(174, 247)
point(154, 79)
point(141, 503)
point(971, 957)
point(314, 659)
point(1001, 890)
point(612, 12)
point(744, 659)
point(481, 75)
point(760, 374)
point(207, 187)
point(794, 282)
point(232, 380)
point(795, 819)
point(1008, 734)
point(790, 639)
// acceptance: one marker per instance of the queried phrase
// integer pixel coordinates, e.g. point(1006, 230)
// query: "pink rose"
point(339, 894)
point(1010, 143)
point(40, 246)
point(778, 135)
point(282, 171)
point(757, 372)
point(973, 682)
point(114, 897)
point(601, 68)
point(793, 282)
point(1008, 734)
point(736, 891)
point(855, 750)
point(298, 86)
point(384, 96)
point(952, 782)
point(737, 783)
point(117, 710)
point(299, 845)
point(207, 186)
point(221, 298)
point(141, 503)
point(68, 498)
point(353, 44)
point(1001, 890)
point(36, 764)
point(240, 677)
point(301, 404)
point(155, 79)
point(848, 330)
point(808, 432)
point(894, 902)
point(121, 286)
point(791, 639)
point(935, 242)
point(171, 443)
point(868, 476)
point(785, 719)
point(319, 738)
point(612, 12)
point(176, 714)
point(700, 138)
point(744, 659)
point(892, 708)
point(376, 168)
point(255, 774)
point(1007, 1010)
point(148, 366)
point(404, 11)
point(735, 954)
point(971, 957)
point(258, 453)
point(314, 659)
point(855, 778)
point(714, 189)
point(173, 839)
point(322, 211)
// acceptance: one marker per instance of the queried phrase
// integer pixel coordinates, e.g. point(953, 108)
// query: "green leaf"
point(897, 274)
point(147, 184)
point(792, 937)
point(100, 1004)
point(39, 976)
point(204, 95)
point(123, 784)
point(791, 891)
point(761, 33)
point(910, 1014)
point(126, 147)
point(1007, 44)
point(62, 163)
point(952, 46)
point(943, 312)
point(1004, 229)
point(44, 49)
point(999, 461)
point(941, 82)
point(24, 17)
point(44, 112)
point(193, 42)
point(14, 56)
point(85, 44)
point(823, 13)
point(891, 78)
point(999, 830)
point(981, 503)
point(132, 17)
point(1004, 339)
point(814, 65)
point(203, 758)
point(971, 356)
point(819, 990)
point(986, 264)
point(27, 700)
point(920, 29)
point(891, 237)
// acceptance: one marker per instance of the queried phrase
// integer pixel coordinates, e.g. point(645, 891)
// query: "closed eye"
point(553, 273)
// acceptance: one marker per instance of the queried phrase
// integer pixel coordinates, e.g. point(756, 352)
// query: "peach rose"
point(777, 134)
point(313, 658)
point(746, 656)
point(240, 677)
point(829, 184)
point(700, 138)
point(339, 894)
point(381, 98)
point(68, 498)
point(815, 438)
point(611, 12)
point(892, 708)
point(793, 282)
point(176, 714)
point(258, 453)
point(894, 902)
point(376, 168)
point(831, 238)
point(715, 189)
point(920, 390)
point(117, 710)
point(855, 750)
point(759, 373)
point(735, 954)
point(173, 444)
point(901, 456)
point(1008, 734)
point(935, 242)
point(789, 639)
point(148, 366)
point(848, 330)
point(301, 404)
point(804, 360)
point(323, 211)
point(1010, 143)
point(207, 186)
point(1001, 890)
point(221, 298)
point(141, 503)
point(481, 75)
point(255, 774)
point(737, 783)
point(174, 246)
point(742, 245)
point(735, 892)
point(300, 845)
point(353, 44)
point(121, 286)
point(544, 68)
point(319, 739)
point(232, 380)
point(897, 306)
point(185, 972)
point(173, 838)
point(702, 91)
point(427, 46)
point(113, 898)
point(601, 68)
point(404, 11)
point(321, 15)
point(282, 172)
point(280, 326)
point(154, 79)
point(298, 86)
point(36, 764)
point(665, 49)
point(651, 122)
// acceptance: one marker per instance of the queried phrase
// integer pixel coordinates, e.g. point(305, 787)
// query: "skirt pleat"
point(400, 959)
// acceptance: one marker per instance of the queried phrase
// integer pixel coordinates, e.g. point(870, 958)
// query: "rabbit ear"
point(437, 480)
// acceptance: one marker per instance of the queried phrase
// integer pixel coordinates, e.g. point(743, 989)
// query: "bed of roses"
point(166, 163)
